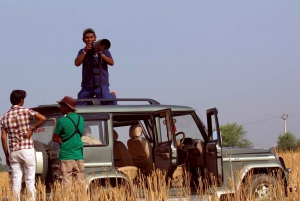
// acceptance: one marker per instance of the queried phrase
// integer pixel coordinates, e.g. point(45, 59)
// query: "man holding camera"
point(93, 85)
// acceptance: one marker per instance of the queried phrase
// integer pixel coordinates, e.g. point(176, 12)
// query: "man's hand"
point(79, 59)
point(41, 119)
point(28, 134)
point(107, 59)
point(57, 138)
point(88, 47)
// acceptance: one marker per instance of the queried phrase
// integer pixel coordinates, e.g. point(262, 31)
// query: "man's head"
point(17, 97)
point(88, 35)
point(67, 104)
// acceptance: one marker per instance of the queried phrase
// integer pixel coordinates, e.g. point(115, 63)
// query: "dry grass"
point(151, 188)
point(291, 160)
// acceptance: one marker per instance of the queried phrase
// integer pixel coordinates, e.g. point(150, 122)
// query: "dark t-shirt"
point(90, 70)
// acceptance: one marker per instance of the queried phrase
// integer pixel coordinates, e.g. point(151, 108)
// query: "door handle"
point(159, 153)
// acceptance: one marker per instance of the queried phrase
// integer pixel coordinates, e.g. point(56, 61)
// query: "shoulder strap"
point(76, 129)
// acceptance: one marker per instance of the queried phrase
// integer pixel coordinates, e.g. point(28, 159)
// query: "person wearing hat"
point(68, 132)
point(88, 58)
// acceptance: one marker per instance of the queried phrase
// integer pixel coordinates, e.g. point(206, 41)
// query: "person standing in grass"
point(68, 133)
point(16, 125)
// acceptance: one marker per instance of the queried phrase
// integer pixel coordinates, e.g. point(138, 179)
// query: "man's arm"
point(41, 119)
point(79, 59)
point(4, 145)
point(107, 59)
point(57, 132)
point(56, 138)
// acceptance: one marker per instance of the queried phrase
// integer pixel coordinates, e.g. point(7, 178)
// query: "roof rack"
point(97, 101)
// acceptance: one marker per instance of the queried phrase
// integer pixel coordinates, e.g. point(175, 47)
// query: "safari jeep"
point(122, 140)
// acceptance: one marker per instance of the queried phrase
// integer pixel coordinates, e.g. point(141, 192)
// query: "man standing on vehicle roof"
point(90, 71)
point(16, 124)
point(68, 132)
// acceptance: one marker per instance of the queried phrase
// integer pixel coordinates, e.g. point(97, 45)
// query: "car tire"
point(262, 187)
point(40, 147)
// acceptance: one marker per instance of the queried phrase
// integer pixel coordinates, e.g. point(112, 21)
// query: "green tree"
point(234, 135)
point(298, 144)
point(287, 142)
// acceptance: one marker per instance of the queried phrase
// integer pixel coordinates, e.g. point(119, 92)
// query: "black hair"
point(16, 96)
point(89, 32)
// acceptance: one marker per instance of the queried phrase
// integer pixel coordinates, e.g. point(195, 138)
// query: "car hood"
point(237, 151)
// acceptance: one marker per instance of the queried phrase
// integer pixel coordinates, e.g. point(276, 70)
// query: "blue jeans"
point(95, 92)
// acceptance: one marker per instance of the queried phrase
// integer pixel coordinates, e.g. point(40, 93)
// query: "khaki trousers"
point(70, 169)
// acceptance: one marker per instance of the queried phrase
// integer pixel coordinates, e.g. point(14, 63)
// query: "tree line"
point(234, 135)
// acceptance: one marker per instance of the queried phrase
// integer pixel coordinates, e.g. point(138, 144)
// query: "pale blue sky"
point(239, 56)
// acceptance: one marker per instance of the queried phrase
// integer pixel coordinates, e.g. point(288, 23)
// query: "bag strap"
point(76, 129)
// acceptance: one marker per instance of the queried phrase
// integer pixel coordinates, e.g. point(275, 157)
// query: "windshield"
point(183, 123)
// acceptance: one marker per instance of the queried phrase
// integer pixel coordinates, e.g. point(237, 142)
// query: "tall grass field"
point(152, 188)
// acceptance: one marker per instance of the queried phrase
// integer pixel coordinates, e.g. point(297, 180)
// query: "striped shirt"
point(16, 123)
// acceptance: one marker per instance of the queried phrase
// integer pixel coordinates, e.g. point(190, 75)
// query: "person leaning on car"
point(68, 132)
point(16, 124)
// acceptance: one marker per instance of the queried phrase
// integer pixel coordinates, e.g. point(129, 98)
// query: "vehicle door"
point(165, 154)
point(97, 149)
point(214, 160)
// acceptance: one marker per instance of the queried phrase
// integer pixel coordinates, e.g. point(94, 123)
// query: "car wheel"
point(40, 147)
point(262, 187)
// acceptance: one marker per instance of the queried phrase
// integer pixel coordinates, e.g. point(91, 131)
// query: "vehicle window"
point(186, 123)
point(163, 131)
point(95, 133)
point(147, 130)
point(123, 134)
point(123, 122)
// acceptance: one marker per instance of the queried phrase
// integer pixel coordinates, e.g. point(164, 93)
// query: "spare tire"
point(40, 147)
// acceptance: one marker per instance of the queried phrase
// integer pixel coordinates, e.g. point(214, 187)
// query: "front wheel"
point(263, 187)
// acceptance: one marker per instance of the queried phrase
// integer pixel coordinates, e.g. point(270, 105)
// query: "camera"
point(102, 44)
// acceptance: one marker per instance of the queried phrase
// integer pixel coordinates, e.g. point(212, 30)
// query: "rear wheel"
point(40, 147)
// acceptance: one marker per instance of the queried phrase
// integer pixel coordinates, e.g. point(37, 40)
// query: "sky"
point(241, 57)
